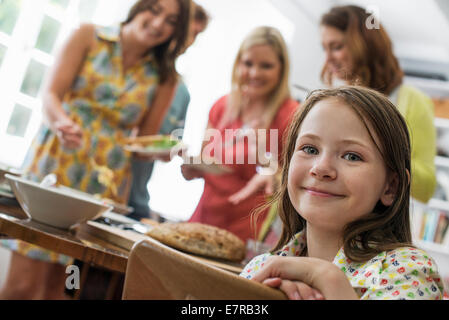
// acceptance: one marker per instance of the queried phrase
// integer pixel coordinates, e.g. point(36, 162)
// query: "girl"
point(344, 204)
point(364, 56)
point(259, 99)
point(99, 91)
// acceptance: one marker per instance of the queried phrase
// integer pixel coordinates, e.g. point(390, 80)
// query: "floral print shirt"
point(403, 273)
point(107, 102)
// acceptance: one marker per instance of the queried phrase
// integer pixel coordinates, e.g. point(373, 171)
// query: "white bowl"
point(53, 206)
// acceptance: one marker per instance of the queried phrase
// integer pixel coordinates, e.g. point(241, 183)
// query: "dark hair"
point(385, 228)
point(200, 15)
point(167, 52)
point(374, 64)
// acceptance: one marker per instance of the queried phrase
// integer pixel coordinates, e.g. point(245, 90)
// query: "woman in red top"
point(244, 133)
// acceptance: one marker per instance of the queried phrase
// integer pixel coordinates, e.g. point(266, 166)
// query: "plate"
point(210, 168)
point(155, 145)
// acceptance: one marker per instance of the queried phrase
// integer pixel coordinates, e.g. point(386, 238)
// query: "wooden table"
point(96, 253)
point(93, 243)
point(75, 243)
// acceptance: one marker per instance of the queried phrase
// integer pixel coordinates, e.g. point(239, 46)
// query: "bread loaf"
point(200, 239)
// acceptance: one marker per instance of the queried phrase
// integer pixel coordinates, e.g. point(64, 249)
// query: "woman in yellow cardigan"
point(360, 53)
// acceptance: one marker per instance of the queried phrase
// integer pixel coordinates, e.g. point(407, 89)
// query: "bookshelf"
point(430, 221)
point(432, 247)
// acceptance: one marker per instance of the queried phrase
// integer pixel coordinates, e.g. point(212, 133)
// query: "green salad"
point(164, 143)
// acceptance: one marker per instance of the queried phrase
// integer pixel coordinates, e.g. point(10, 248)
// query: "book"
point(416, 221)
point(431, 225)
point(443, 221)
point(445, 241)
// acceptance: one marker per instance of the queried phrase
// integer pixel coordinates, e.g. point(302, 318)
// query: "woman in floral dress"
point(99, 91)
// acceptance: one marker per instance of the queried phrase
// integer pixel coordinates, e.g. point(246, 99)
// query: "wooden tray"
point(126, 240)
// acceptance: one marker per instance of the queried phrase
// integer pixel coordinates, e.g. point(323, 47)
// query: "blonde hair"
point(260, 36)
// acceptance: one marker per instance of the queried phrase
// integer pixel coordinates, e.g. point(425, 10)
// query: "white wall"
point(306, 52)
point(417, 28)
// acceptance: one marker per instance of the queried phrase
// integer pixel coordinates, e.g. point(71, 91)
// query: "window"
point(86, 9)
point(60, 3)
point(2, 53)
point(30, 33)
point(48, 34)
point(9, 12)
point(33, 78)
point(18, 122)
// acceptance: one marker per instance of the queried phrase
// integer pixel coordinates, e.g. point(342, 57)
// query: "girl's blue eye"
point(352, 157)
point(310, 150)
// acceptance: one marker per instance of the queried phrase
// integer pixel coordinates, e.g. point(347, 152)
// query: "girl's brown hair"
point(374, 64)
point(385, 228)
point(167, 52)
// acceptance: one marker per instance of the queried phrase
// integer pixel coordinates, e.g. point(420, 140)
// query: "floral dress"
point(107, 104)
point(403, 273)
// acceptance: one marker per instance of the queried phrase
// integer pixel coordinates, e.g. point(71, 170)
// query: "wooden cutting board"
point(126, 239)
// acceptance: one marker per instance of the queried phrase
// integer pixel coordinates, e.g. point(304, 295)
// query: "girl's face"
point(338, 58)
point(259, 71)
point(155, 26)
point(336, 173)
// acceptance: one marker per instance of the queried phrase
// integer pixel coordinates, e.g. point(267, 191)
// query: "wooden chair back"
point(156, 271)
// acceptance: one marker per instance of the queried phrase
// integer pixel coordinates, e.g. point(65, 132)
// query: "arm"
point(67, 65)
point(268, 180)
point(265, 182)
point(320, 275)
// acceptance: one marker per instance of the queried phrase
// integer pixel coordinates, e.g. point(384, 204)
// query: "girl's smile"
point(320, 192)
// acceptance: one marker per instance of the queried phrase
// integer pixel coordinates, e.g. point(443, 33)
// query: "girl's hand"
point(69, 134)
point(295, 290)
point(189, 173)
point(320, 275)
point(257, 182)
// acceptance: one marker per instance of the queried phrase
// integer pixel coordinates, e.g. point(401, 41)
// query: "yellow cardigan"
point(417, 109)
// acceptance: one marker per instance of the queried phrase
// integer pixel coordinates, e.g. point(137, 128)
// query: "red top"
point(214, 207)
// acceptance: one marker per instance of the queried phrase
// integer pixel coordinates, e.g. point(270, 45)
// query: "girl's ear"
point(390, 191)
